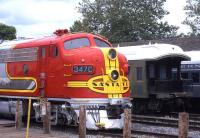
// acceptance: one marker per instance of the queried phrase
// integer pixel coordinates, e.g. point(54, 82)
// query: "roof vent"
point(61, 32)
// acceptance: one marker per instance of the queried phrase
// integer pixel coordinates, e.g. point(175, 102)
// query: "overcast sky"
point(35, 18)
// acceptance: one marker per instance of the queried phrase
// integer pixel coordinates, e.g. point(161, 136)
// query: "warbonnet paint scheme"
point(68, 70)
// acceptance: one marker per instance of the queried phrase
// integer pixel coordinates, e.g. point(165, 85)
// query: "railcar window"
point(174, 73)
point(101, 43)
point(195, 77)
point(76, 43)
point(151, 71)
point(163, 75)
point(139, 73)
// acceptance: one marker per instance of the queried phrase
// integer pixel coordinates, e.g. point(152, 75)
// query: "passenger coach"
point(190, 70)
point(154, 71)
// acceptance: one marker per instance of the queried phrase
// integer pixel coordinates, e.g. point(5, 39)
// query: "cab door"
point(55, 78)
point(43, 67)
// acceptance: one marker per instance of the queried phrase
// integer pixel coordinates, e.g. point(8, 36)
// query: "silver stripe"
point(79, 101)
point(16, 97)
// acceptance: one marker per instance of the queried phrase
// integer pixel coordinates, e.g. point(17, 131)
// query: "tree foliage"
point(7, 32)
point(192, 9)
point(124, 20)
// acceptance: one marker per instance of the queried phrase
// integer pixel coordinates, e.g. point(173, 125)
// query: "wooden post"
point(46, 112)
point(18, 117)
point(82, 122)
point(127, 123)
point(183, 125)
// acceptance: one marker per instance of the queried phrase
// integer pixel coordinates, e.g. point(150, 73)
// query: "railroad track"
point(137, 133)
point(192, 116)
point(116, 134)
point(164, 121)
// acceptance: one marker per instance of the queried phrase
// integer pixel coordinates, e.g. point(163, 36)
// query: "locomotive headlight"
point(112, 54)
point(114, 75)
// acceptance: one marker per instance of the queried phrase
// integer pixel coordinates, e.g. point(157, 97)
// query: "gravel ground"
point(66, 132)
point(72, 132)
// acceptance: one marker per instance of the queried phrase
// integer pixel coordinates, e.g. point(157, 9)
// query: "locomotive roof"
point(194, 55)
point(152, 52)
point(44, 41)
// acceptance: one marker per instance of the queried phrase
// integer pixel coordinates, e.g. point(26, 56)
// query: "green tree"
point(80, 26)
point(192, 10)
point(7, 32)
point(124, 20)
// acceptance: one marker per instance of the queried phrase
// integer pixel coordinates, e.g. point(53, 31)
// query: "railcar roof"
point(191, 62)
point(152, 52)
point(194, 55)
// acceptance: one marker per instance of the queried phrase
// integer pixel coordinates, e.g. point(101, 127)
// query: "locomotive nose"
point(108, 76)
point(115, 82)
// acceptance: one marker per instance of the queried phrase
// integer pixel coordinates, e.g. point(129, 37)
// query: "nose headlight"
point(114, 75)
point(112, 54)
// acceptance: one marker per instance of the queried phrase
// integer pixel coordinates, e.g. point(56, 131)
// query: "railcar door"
point(43, 66)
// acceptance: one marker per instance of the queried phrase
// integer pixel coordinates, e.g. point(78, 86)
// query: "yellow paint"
point(102, 84)
point(100, 125)
point(114, 95)
point(67, 65)
point(67, 75)
point(110, 65)
point(28, 118)
point(68, 55)
point(19, 78)
point(77, 84)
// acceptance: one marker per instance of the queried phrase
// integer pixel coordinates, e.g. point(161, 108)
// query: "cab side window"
point(43, 52)
point(55, 51)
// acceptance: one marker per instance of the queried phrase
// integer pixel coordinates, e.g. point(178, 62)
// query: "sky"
point(36, 18)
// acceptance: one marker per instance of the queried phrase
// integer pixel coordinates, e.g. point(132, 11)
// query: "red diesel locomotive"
point(68, 70)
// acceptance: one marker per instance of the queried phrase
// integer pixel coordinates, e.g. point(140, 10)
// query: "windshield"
point(101, 43)
point(76, 43)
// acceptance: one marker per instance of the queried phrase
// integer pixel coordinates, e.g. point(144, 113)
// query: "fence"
point(182, 124)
